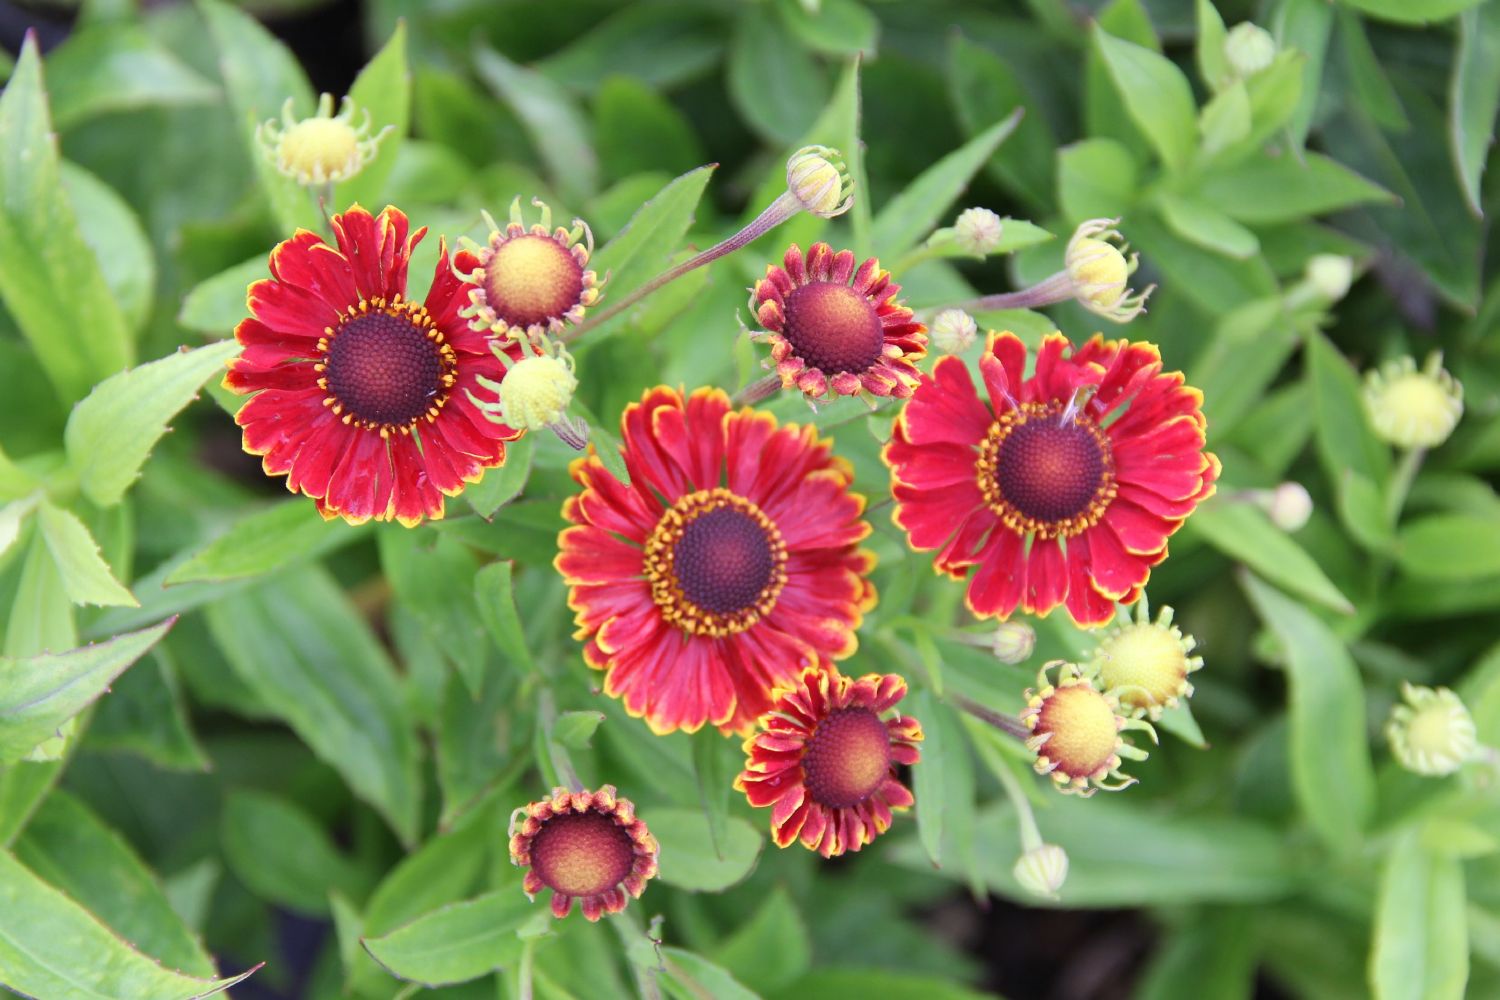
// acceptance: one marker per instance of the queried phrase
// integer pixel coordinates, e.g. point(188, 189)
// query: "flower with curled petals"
point(1075, 732)
point(824, 760)
point(730, 561)
point(837, 330)
point(1064, 487)
point(362, 397)
point(588, 846)
point(534, 281)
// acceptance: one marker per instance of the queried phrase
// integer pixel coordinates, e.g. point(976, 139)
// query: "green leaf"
point(907, 218)
point(111, 432)
point(1157, 96)
point(985, 91)
point(715, 761)
point(1213, 65)
point(692, 977)
point(41, 615)
point(267, 540)
point(66, 845)
point(39, 694)
point(260, 75)
point(494, 589)
point(1244, 533)
point(44, 937)
point(776, 86)
point(1280, 189)
point(1458, 546)
point(1225, 120)
point(1304, 25)
point(1371, 87)
point(887, 984)
point(1345, 440)
point(383, 88)
point(1330, 753)
point(1421, 949)
point(502, 485)
point(283, 855)
point(121, 246)
point(832, 27)
point(119, 67)
point(85, 575)
point(637, 130)
point(1201, 223)
point(301, 647)
point(23, 787)
point(456, 943)
point(433, 575)
point(1412, 11)
point(941, 781)
point(145, 715)
point(688, 858)
point(12, 517)
point(556, 126)
point(661, 46)
point(771, 949)
point(1474, 96)
point(217, 305)
point(49, 277)
point(575, 730)
point(444, 870)
point(1096, 179)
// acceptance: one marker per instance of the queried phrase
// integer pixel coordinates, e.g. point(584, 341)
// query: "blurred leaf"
point(145, 715)
point(383, 88)
point(41, 615)
point(776, 87)
point(770, 949)
point(66, 845)
point(1249, 347)
point(637, 130)
point(433, 576)
point(110, 434)
point(1305, 26)
point(1156, 95)
point(660, 45)
point(266, 540)
point(1200, 222)
point(52, 947)
point(481, 743)
point(39, 694)
point(1474, 96)
point(1330, 752)
point(495, 591)
point(300, 647)
point(1346, 444)
point(502, 485)
point(1420, 949)
point(574, 730)
point(1450, 547)
point(715, 762)
point(1371, 86)
point(283, 855)
point(111, 229)
point(692, 977)
point(444, 870)
point(1244, 533)
point(217, 305)
point(1282, 190)
point(907, 218)
point(1208, 49)
point(833, 27)
point(260, 75)
point(555, 125)
point(50, 279)
point(119, 67)
point(23, 787)
point(1217, 284)
point(860, 984)
point(1207, 957)
point(1412, 11)
point(985, 92)
point(943, 783)
point(688, 857)
point(456, 943)
point(1096, 179)
point(1225, 120)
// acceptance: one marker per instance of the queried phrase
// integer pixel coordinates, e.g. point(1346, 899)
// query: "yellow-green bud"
point(1249, 49)
point(1330, 275)
point(977, 231)
point(1013, 642)
point(536, 391)
point(325, 148)
point(817, 178)
point(1042, 871)
point(1289, 506)
point(1414, 408)
point(952, 331)
point(1099, 272)
point(1432, 733)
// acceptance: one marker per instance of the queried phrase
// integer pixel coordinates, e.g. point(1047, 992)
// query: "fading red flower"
point(824, 760)
point(588, 846)
point(828, 332)
point(362, 396)
point(730, 562)
point(1064, 489)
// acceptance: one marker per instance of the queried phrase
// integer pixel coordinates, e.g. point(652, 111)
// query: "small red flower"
point(824, 760)
point(828, 332)
point(1064, 489)
point(730, 562)
point(361, 397)
point(587, 846)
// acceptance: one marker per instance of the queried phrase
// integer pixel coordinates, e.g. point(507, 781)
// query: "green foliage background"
point(335, 722)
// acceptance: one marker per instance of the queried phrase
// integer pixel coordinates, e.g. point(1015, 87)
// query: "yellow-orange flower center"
point(386, 365)
point(716, 563)
point(532, 279)
point(1046, 471)
point(1146, 662)
point(848, 758)
point(834, 328)
point(1084, 730)
point(582, 854)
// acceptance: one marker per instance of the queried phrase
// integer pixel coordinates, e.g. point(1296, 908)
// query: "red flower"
point(824, 760)
point(588, 846)
point(361, 396)
point(729, 563)
point(828, 332)
point(1064, 489)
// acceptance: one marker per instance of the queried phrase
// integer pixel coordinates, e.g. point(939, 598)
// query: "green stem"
point(524, 973)
point(1401, 480)
point(1031, 836)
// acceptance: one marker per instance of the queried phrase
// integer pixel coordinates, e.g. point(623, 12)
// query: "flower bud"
point(323, 149)
point(1414, 408)
point(1075, 732)
point(817, 178)
point(1013, 642)
point(952, 331)
point(1042, 871)
point(1288, 505)
point(1146, 663)
point(1432, 733)
point(977, 231)
point(1330, 275)
point(1249, 49)
point(535, 391)
point(1099, 271)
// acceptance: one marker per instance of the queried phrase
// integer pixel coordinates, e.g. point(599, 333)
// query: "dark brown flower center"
point(582, 854)
point(532, 279)
point(834, 328)
point(848, 758)
point(386, 365)
point(1045, 470)
point(716, 563)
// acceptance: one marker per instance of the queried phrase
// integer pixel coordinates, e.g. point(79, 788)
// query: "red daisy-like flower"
point(362, 396)
point(824, 760)
point(729, 563)
point(588, 846)
point(1064, 489)
point(834, 328)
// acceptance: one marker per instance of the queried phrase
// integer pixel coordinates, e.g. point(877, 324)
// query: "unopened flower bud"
point(1013, 642)
point(1146, 663)
point(536, 389)
point(1414, 408)
point(1100, 271)
point(952, 331)
point(977, 231)
point(1042, 871)
point(325, 148)
point(816, 177)
point(1330, 275)
point(1288, 505)
point(1249, 49)
point(1431, 733)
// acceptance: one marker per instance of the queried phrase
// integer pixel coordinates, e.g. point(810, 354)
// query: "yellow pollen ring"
point(986, 475)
